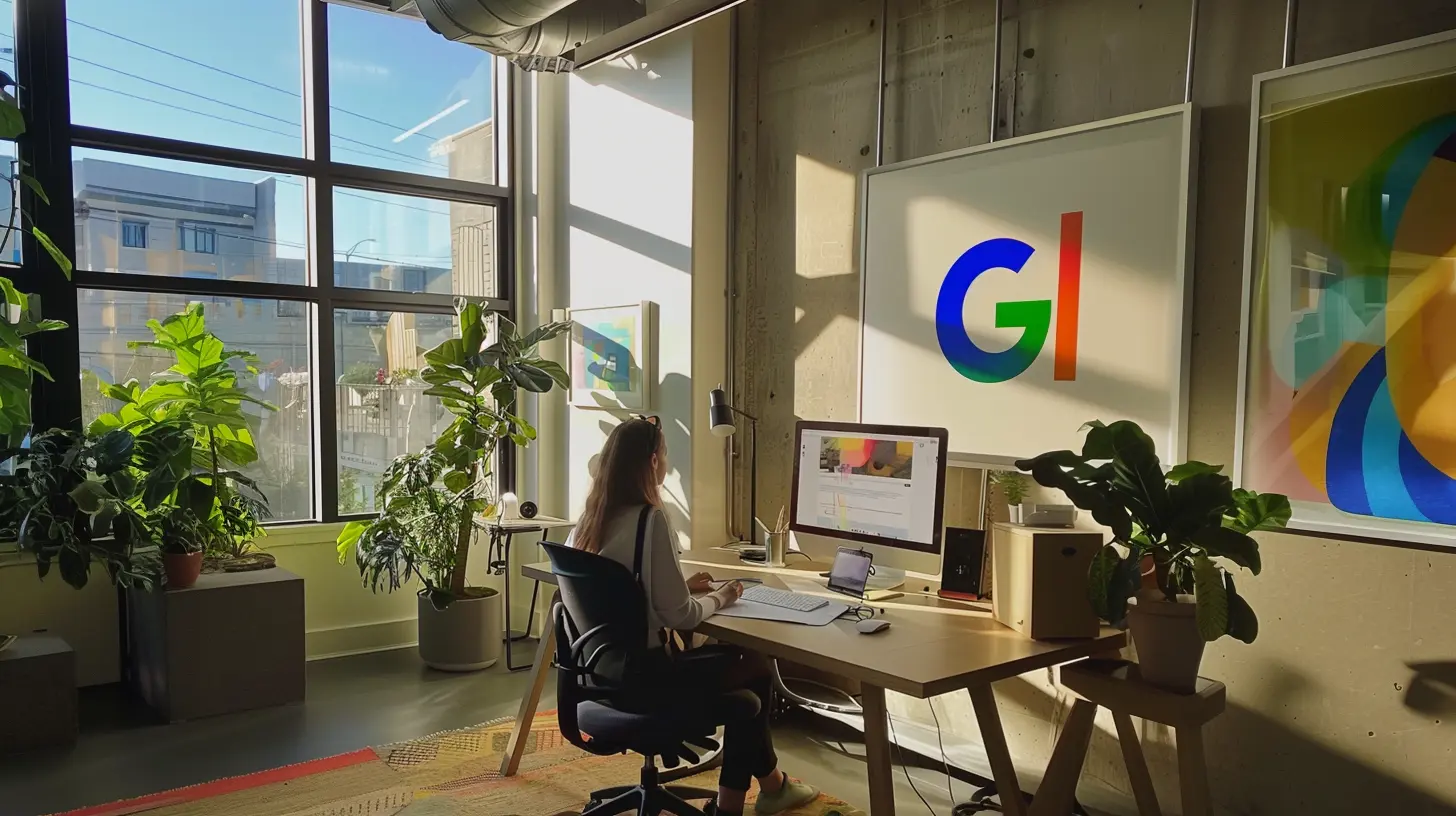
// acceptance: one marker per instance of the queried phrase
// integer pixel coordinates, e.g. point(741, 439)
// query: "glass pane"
point(10, 242)
point(405, 98)
point(407, 244)
point(7, 39)
point(383, 411)
point(109, 320)
point(163, 217)
point(213, 71)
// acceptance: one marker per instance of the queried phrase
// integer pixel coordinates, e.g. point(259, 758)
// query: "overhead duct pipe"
point(534, 34)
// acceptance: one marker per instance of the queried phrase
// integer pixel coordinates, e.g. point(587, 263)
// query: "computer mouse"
point(871, 626)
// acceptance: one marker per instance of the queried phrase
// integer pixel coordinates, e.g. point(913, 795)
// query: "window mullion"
point(321, 255)
point(44, 79)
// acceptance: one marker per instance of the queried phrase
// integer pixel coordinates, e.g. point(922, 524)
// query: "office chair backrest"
point(607, 609)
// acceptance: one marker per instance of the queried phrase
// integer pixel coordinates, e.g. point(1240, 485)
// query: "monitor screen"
point(877, 484)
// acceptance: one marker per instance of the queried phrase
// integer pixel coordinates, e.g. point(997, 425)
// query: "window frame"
point(42, 66)
point(140, 228)
point(196, 231)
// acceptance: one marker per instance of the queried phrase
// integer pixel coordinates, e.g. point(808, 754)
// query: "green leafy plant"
point(19, 313)
point(1011, 484)
point(1190, 520)
point(201, 392)
point(78, 500)
point(433, 502)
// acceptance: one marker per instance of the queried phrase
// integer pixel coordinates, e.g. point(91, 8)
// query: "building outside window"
point(360, 234)
point(134, 234)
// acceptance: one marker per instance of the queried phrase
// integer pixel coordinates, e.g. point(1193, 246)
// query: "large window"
point(334, 253)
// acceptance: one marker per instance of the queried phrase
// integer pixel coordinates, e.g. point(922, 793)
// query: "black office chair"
point(601, 635)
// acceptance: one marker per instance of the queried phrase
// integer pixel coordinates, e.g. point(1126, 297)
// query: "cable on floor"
point(906, 768)
point(944, 760)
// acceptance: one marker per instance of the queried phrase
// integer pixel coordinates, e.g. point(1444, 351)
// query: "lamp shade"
point(720, 415)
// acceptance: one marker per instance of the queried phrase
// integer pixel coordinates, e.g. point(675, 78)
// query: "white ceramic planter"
point(465, 636)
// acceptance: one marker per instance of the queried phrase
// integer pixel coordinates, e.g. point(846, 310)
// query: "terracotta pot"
point(465, 636)
point(182, 569)
point(1169, 648)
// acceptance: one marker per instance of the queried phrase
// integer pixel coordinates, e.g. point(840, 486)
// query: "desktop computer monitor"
point(881, 487)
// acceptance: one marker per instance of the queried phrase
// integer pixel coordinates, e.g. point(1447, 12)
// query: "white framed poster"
point(612, 351)
point(1348, 376)
point(1016, 290)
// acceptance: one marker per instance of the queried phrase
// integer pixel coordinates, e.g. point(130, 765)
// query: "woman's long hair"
point(625, 478)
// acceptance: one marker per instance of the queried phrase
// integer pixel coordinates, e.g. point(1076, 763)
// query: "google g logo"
point(1034, 317)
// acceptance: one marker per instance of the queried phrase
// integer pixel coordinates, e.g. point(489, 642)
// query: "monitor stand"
point(885, 578)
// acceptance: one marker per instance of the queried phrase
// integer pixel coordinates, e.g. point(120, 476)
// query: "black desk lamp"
point(720, 418)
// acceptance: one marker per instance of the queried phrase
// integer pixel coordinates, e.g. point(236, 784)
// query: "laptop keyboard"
point(783, 599)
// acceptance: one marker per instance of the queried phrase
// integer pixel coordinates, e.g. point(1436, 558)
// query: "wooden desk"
point(932, 647)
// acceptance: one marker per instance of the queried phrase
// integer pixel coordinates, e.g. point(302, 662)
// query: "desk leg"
point(540, 670)
point(1058, 792)
point(983, 700)
point(877, 751)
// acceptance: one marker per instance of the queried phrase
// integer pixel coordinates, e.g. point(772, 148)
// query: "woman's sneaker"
point(790, 795)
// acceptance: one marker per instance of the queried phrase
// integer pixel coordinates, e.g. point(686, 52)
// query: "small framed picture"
point(613, 356)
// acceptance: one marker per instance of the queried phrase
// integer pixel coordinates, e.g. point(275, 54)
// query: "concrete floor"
point(354, 703)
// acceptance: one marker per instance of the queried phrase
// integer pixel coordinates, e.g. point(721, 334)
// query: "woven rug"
point(450, 774)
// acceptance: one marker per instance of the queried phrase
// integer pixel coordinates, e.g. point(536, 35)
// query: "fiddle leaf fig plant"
point(433, 502)
point(1190, 520)
point(200, 391)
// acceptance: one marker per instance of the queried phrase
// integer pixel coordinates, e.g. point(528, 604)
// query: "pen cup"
point(778, 546)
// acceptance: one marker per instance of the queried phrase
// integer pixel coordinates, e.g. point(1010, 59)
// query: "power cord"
point(944, 760)
point(906, 768)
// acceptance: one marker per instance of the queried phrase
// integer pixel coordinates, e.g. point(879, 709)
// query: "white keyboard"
point(783, 599)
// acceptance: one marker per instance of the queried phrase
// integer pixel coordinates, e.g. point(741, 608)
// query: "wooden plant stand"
point(1117, 686)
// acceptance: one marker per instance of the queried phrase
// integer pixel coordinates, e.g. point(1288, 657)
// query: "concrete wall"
point(633, 202)
point(1327, 713)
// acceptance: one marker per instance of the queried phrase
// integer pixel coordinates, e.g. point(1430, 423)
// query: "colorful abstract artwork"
point(1350, 390)
point(609, 357)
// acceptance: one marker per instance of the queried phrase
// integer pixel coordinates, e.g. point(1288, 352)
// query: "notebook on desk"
point(822, 616)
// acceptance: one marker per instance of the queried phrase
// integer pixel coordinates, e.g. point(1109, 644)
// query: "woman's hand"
point(728, 594)
point(699, 583)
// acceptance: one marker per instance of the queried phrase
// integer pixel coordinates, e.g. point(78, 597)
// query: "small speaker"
point(528, 510)
point(965, 553)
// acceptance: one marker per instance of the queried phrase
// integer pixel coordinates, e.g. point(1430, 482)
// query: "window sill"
point(284, 535)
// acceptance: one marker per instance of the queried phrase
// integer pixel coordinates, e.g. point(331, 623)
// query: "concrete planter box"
point(231, 642)
point(37, 694)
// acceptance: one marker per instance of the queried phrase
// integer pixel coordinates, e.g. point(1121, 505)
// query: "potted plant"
point(79, 500)
point(201, 391)
point(180, 535)
point(1013, 488)
point(1193, 525)
point(434, 502)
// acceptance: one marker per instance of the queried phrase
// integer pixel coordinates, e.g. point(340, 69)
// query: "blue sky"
point(229, 73)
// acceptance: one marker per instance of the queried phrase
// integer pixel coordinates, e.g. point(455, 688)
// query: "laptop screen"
point(850, 573)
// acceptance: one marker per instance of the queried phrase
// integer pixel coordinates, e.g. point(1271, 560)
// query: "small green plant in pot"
point(1189, 521)
point(434, 502)
point(1013, 488)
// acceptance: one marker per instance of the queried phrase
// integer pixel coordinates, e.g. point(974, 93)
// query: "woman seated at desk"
point(632, 468)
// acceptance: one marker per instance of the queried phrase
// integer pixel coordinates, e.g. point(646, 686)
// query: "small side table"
point(501, 535)
point(37, 694)
point(1117, 686)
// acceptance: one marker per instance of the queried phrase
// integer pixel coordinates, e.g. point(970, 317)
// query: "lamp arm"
point(744, 414)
